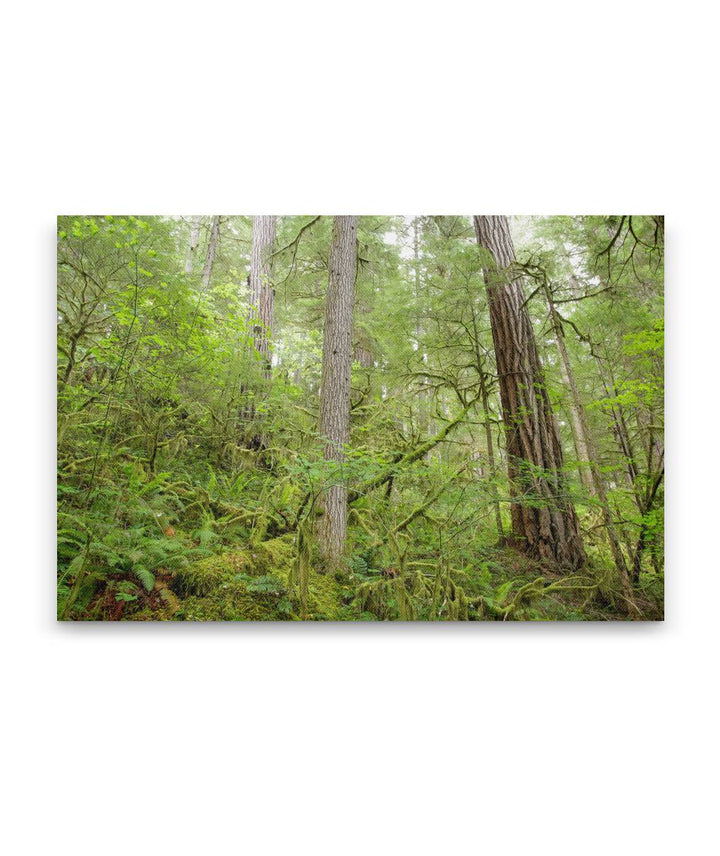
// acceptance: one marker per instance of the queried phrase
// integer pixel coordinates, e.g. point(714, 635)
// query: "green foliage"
point(201, 578)
point(265, 584)
point(190, 484)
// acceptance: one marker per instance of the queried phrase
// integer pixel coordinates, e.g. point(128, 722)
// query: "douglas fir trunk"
point(543, 518)
point(334, 423)
point(262, 295)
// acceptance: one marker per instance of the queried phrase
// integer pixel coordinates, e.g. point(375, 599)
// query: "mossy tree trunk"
point(543, 518)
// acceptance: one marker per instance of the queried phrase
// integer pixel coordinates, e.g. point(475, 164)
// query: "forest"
point(360, 418)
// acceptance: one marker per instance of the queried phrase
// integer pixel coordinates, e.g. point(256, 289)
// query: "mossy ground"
point(258, 583)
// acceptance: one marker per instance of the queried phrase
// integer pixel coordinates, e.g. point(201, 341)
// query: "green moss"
point(325, 597)
point(149, 614)
point(221, 588)
point(259, 583)
point(231, 601)
point(275, 556)
point(203, 577)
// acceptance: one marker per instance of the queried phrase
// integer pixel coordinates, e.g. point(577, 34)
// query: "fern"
point(147, 578)
point(266, 584)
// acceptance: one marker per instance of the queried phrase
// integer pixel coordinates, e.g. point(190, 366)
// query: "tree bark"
point(577, 415)
point(262, 293)
point(485, 398)
point(212, 247)
point(193, 245)
point(423, 396)
point(585, 445)
point(543, 518)
point(334, 421)
point(621, 432)
point(491, 454)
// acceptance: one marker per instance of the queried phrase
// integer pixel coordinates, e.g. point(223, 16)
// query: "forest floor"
point(265, 582)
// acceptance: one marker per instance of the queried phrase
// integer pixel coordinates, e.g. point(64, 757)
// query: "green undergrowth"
point(256, 584)
point(260, 583)
point(124, 559)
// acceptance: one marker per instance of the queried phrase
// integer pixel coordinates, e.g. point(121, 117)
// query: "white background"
point(359, 739)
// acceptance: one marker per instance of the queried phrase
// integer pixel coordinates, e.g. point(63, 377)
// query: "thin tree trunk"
point(262, 293)
point(644, 532)
point(491, 456)
point(584, 442)
point(485, 398)
point(622, 435)
point(543, 517)
point(334, 422)
point(212, 247)
point(424, 415)
point(577, 415)
point(653, 479)
point(193, 245)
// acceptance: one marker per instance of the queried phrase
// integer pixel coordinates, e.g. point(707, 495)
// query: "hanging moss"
point(275, 580)
point(411, 597)
point(299, 571)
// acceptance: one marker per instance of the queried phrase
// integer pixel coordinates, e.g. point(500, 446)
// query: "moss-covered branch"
point(402, 461)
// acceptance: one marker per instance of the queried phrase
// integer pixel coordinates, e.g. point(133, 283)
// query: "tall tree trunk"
point(212, 247)
point(334, 422)
point(262, 294)
point(485, 398)
point(543, 518)
point(577, 418)
point(620, 429)
point(193, 245)
point(363, 345)
point(423, 398)
point(491, 454)
point(586, 447)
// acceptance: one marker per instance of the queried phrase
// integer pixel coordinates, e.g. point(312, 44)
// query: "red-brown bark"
point(543, 518)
